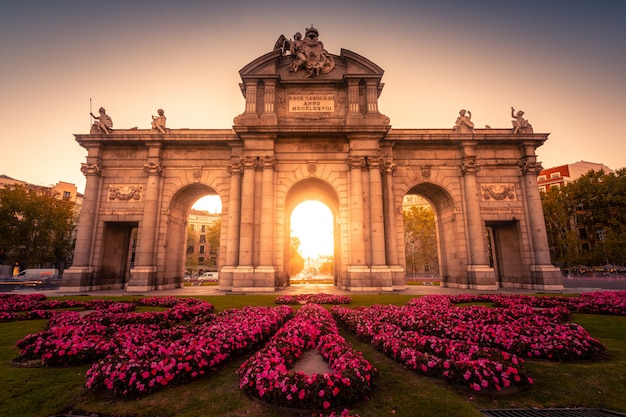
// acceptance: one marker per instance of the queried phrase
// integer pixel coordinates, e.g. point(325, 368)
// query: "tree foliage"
point(36, 226)
point(191, 260)
point(296, 260)
point(420, 239)
point(586, 220)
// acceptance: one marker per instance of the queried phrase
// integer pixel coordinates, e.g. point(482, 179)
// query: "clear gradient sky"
point(563, 62)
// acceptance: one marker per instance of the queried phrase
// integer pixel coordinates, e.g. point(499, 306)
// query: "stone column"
point(357, 247)
point(142, 276)
point(234, 215)
point(377, 224)
point(541, 250)
point(545, 275)
point(80, 275)
point(390, 213)
point(88, 214)
point(267, 212)
point(246, 232)
point(480, 273)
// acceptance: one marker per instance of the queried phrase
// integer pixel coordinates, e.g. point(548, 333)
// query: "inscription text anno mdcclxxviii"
point(313, 103)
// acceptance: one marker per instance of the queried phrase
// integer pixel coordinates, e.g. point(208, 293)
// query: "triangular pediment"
point(301, 82)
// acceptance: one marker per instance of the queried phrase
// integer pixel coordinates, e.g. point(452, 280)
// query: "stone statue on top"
point(308, 53)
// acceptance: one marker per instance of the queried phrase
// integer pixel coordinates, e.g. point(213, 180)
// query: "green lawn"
point(48, 391)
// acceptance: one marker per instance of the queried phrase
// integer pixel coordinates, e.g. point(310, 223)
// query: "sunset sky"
point(563, 62)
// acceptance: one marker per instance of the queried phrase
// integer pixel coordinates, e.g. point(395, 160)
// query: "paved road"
point(571, 286)
point(606, 283)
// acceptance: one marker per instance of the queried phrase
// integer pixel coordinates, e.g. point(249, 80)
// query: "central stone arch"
point(313, 189)
point(311, 128)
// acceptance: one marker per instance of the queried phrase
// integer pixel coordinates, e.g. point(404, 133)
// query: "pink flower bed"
point(268, 376)
point(72, 338)
point(602, 302)
point(177, 355)
point(474, 346)
point(136, 353)
point(313, 298)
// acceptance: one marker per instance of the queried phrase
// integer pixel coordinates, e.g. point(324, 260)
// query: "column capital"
point(249, 162)
point(90, 169)
point(530, 166)
point(374, 162)
point(469, 165)
point(388, 166)
point(267, 161)
point(356, 162)
point(153, 168)
point(236, 168)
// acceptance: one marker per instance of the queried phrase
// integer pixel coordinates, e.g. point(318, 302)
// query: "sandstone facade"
point(310, 131)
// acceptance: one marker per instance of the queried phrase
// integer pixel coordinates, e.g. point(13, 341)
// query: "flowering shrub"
point(602, 302)
point(313, 298)
point(151, 358)
point(72, 338)
point(135, 353)
point(268, 375)
point(475, 346)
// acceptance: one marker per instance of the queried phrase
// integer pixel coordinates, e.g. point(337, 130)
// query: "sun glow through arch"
point(312, 223)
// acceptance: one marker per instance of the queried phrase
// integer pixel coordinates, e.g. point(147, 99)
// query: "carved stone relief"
point(125, 192)
point(498, 192)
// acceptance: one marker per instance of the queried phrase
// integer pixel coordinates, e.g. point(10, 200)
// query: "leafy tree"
point(213, 240)
point(36, 226)
point(191, 261)
point(586, 220)
point(296, 260)
point(559, 211)
point(420, 238)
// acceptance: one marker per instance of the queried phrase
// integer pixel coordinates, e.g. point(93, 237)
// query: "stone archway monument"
point(311, 129)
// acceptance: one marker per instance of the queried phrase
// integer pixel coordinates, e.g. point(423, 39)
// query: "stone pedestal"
point(77, 278)
point(482, 277)
point(142, 278)
point(546, 277)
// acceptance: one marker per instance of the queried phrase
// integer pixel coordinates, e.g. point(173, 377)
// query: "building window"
point(202, 238)
point(541, 178)
point(202, 249)
point(66, 195)
point(189, 249)
point(201, 259)
point(555, 175)
point(203, 228)
point(582, 232)
point(542, 188)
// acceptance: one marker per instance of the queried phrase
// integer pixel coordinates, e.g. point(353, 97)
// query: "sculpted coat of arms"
point(308, 53)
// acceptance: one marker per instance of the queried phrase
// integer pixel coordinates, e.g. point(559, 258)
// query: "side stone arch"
point(450, 233)
point(174, 232)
